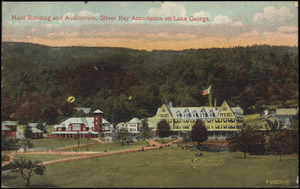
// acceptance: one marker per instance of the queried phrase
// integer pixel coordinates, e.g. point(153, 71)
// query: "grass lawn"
point(108, 146)
point(56, 143)
point(41, 157)
point(167, 140)
point(166, 167)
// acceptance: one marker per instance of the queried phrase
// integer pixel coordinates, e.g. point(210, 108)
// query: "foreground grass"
point(166, 167)
point(53, 143)
point(167, 140)
point(46, 157)
point(108, 146)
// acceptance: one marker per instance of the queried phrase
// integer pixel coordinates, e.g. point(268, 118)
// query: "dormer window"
point(186, 113)
point(195, 114)
point(211, 114)
point(178, 113)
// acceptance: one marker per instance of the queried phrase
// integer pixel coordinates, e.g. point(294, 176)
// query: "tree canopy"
point(38, 79)
point(249, 141)
point(162, 129)
point(199, 132)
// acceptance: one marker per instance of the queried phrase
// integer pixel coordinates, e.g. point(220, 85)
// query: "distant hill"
point(104, 77)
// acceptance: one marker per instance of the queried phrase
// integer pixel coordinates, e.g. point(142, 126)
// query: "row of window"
point(164, 115)
point(226, 114)
point(211, 127)
point(75, 127)
point(208, 120)
point(196, 115)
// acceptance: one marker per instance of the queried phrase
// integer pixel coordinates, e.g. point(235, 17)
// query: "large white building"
point(83, 127)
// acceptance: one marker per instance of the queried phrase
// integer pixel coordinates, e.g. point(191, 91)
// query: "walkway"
point(90, 155)
point(9, 156)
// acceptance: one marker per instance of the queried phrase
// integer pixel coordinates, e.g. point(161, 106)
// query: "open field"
point(108, 147)
point(53, 143)
point(46, 157)
point(167, 140)
point(167, 167)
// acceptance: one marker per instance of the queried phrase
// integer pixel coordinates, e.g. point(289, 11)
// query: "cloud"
point(164, 36)
point(168, 9)
point(69, 14)
point(222, 20)
point(46, 25)
point(88, 13)
point(272, 14)
point(238, 24)
point(110, 34)
point(16, 24)
point(252, 33)
point(62, 35)
point(287, 29)
point(202, 14)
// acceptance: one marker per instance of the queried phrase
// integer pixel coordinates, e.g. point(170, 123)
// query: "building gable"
point(225, 111)
point(164, 112)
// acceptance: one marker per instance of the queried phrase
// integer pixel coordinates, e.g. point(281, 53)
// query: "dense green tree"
point(253, 77)
point(145, 131)
point(199, 133)
point(123, 135)
point(248, 141)
point(8, 106)
point(26, 144)
point(28, 168)
point(9, 143)
point(28, 132)
point(162, 129)
point(284, 142)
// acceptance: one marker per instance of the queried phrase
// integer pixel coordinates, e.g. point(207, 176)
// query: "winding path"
point(90, 155)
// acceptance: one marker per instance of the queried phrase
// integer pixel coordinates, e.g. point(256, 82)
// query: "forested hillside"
point(37, 80)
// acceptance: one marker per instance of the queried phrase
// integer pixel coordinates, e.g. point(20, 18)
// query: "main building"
point(221, 122)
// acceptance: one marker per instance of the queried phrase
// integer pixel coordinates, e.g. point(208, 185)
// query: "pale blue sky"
point(267, 21)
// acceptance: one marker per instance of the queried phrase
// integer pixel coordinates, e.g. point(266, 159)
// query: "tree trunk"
point(280, 157)
point(28, 182)
point(244, 154)
point(198, 146)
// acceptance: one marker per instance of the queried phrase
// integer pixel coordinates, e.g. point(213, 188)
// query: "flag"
point(207, 91)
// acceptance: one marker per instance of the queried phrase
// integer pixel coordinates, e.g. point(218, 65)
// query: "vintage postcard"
point(159, 94)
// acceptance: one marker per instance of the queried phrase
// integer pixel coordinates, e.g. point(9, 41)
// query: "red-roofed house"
point(9, 128)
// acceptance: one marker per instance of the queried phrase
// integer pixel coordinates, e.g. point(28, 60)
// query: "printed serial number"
point(275, 181)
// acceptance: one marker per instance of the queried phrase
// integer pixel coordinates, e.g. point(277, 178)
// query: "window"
point(186, 113)
point(70, 128)
point(76, 127)
point(178, 113)
point(195, 114)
